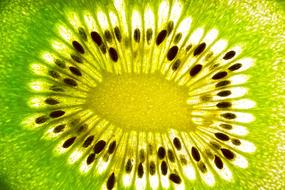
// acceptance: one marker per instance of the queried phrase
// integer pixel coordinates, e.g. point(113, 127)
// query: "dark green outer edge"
point(26, 162)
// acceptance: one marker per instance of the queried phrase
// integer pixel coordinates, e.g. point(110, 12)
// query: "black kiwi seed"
point(56, 114)
point(161, 152)
point(224, 93)
point(177, 143)
point(108, 35)
point(160, 37)
point(88, 141)
point(60, 63)
point(76, 58)
point(118, 33)
point(68, 142)
point(175, 178)
point(199, 49)
point(172, 52)
point(195, 154)
point(224, 104)
point(152, 168)
point(54, 74)
point(75, 71)
point(41, 119)
point(129, 166)
point(229, 55)
point(170, 26)
point(59, 128)
point(220, 75)
point(112, 147)
point(229, 115)
point(99, 146)
point(149, 35)
point(178, 37)
point(51, 101)
point(96, 38)
point(170, 155)
point(90, 158)
point(78, 47)
point(223, 83)
point(140, 170)
point(82, 33)
point(113, 54)
point(195, 70)
point(70, 82)
point(236, 141)
point(218, 162)
point(227, 153)
point(235, 67)
point(163, 168)
point(137, 35)
point(176, 64)
point(111, 181)
point(222, 136)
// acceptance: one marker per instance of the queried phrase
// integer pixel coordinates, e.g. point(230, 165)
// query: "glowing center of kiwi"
point(141, 102)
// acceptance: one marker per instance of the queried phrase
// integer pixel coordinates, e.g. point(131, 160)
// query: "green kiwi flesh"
point(142, 95)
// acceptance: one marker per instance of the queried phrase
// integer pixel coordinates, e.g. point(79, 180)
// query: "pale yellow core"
point(145, 102)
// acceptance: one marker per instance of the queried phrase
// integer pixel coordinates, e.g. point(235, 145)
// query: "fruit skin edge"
point(27, 162)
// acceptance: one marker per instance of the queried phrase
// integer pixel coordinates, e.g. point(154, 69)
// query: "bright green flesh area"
point(141, 102)
point(27, 162)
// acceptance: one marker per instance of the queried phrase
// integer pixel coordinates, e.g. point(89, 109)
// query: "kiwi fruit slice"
point(142, 94)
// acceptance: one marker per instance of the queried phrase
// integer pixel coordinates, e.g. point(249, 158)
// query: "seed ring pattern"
point(94, 43)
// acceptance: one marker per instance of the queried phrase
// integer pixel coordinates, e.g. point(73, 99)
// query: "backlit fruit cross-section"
point(145, 95)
